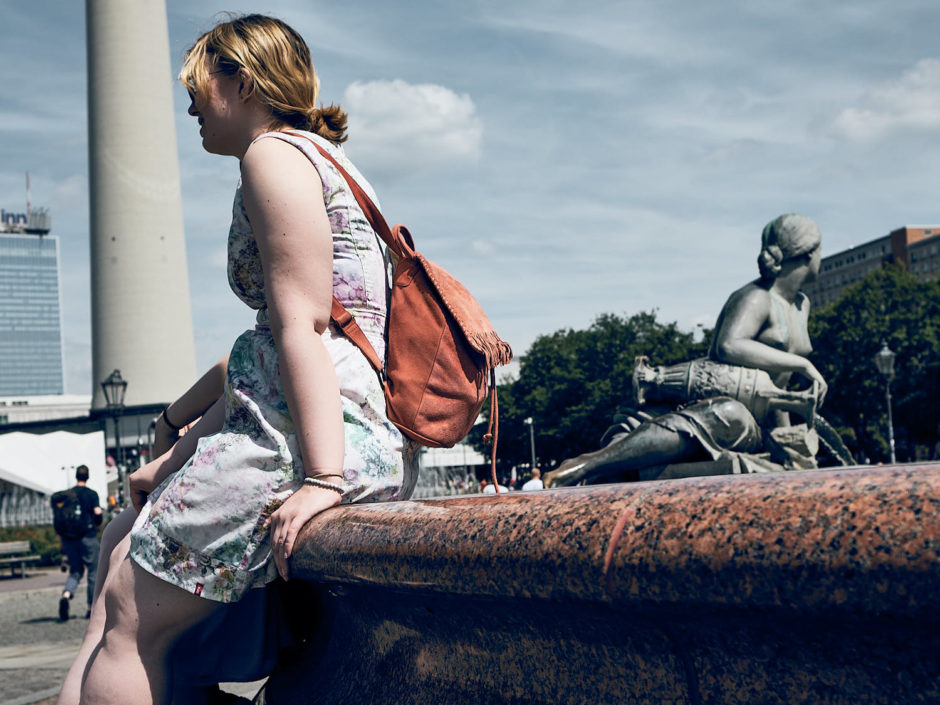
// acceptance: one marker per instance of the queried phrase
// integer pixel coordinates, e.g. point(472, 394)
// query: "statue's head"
point(784, 238)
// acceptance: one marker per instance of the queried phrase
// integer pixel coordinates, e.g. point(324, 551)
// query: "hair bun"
point(329, 122)
point(769, 261)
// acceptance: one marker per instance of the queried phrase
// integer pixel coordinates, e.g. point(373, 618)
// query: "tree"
point(572, 382)
point(891, 305)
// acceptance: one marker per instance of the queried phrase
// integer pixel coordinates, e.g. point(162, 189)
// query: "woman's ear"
point(246, 84)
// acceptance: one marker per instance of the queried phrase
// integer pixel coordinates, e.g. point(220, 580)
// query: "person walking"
point(76, 518)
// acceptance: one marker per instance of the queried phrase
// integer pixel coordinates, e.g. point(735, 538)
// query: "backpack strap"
point(398, 239)
point(351, 330)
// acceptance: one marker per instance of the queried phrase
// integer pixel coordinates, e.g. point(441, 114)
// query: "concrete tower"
point(141, 320)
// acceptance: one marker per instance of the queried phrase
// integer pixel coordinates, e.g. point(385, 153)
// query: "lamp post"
point(114, 387)
point(531, 424)
point(884, 359)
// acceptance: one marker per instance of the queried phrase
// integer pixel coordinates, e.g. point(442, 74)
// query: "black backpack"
point(68, 519)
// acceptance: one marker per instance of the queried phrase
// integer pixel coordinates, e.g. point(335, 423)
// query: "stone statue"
point(735, 405)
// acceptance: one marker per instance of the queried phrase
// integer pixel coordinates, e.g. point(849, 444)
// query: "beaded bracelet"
point(324, 485)
point(166, 420)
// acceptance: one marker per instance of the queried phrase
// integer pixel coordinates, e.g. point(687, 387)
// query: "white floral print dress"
point(204, 529)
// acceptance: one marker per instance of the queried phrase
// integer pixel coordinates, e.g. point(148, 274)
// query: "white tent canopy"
point(46, 462)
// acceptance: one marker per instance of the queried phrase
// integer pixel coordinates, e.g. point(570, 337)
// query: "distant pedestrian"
point(76, 518)
point(535, 483)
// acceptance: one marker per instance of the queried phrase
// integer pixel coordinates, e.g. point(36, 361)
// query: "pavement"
point(36, 649)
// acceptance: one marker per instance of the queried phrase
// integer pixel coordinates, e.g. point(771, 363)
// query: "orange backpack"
point(442, 350)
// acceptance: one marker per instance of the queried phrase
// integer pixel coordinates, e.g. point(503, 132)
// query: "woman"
point(296, 424)
point(763, 325)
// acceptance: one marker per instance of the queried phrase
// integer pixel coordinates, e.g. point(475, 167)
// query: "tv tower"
point(141, 319)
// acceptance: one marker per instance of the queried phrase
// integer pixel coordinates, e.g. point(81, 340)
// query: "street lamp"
point(114, 387)
point(884, 359)
point(531, 424)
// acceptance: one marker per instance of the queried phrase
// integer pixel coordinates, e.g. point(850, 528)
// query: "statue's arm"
point(742, 319)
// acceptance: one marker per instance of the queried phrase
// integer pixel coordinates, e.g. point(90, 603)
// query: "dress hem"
point(201, 579)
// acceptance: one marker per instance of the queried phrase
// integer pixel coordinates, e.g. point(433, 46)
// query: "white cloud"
point(482, 247)
point(910, 102)
point(395, 124)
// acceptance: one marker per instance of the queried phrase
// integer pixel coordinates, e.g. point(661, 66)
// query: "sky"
point(561, 159)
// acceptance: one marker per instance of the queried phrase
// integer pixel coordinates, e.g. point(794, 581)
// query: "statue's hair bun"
point(769, 261)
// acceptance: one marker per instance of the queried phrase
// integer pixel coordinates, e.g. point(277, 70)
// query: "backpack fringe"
point(495, 350)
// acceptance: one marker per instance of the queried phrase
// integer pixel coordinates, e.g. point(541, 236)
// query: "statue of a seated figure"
point(735, 404)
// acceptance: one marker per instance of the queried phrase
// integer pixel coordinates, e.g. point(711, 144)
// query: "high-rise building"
point(916, 248)
point(30, 314)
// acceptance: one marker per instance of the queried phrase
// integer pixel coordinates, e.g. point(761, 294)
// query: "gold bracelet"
point(320, 475)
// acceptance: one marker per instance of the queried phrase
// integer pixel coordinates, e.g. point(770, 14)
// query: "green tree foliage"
point(893, 305)
point(572, 383)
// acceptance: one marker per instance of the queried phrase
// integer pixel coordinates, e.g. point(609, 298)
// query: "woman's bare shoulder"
point(271, 154)
point(273, 167)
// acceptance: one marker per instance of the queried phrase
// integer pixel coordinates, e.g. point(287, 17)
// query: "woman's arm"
point(281, 191)
point(143, 481)
point(190, 406)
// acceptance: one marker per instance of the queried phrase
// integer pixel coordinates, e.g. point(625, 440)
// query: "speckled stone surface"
point(815, 587)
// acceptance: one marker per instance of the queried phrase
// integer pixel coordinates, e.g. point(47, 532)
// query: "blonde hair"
point(786, 237)
point(279, 63)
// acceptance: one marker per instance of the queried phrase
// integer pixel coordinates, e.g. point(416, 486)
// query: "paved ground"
point(36, 649)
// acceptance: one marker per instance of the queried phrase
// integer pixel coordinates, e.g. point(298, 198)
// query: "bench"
point(16, 553)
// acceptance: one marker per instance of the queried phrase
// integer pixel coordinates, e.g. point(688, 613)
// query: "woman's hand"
point(143, 481)
point(287, 521)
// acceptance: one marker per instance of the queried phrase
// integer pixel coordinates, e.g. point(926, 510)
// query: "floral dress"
point(203, 529)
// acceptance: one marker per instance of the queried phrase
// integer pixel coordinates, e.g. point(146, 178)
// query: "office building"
point(30, 312)
point(916, 248)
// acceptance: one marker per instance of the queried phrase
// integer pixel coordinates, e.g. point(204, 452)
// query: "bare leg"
point(113, 553)
point(111, 539)
point(144, 615)
point(649, 444)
